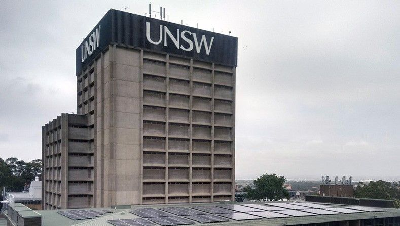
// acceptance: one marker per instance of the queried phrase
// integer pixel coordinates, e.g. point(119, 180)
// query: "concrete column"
point(212, 131)
point(64, 161)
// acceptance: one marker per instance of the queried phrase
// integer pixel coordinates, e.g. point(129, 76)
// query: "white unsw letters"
point(91, 44)
point(186, 37)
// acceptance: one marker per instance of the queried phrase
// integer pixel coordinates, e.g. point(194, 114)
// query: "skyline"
point(327, 73)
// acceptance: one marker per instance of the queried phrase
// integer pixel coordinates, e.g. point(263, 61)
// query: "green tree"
point(267, 186)
point(15, 173)
point(378, 190)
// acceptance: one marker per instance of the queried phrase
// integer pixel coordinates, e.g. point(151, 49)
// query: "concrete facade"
point(153, 128)
point(336, 190)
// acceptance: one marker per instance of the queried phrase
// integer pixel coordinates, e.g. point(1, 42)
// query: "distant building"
point(32, 198)
point(337, 190)
point(343, 188)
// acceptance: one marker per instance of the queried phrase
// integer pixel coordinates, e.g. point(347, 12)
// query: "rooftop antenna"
point(197, 25)
point(181, 22)
point(150, 9)
point(230, 32)
point(164, 13)
point(161, 13)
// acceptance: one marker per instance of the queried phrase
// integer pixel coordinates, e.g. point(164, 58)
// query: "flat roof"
point(51, 217)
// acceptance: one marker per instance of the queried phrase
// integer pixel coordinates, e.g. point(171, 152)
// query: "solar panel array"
point(82, 214)
point(203, 214)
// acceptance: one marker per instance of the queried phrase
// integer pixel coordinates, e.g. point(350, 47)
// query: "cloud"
point(3, 137)
point(357, 143)
point(317, 81)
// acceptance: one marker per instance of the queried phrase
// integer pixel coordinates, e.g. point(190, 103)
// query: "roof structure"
point(288, 213)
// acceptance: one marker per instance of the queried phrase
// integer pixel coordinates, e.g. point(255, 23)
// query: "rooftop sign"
point(134, 31)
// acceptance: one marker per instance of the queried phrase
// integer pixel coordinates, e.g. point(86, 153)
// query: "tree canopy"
point(267, 186)
point(378, 190)
point(15, 173)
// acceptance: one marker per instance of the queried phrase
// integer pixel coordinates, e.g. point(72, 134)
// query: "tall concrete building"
point(155, 121)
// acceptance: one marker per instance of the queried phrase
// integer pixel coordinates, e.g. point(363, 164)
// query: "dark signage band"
point(135, 31)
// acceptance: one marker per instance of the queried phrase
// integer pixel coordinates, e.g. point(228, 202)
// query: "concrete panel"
point(179, 86)
point(201, 89)
point(201, 188)
point(223, 119)
point(153, 173)
point(127, 72)
point(77, 120)
point(178, 115)
point(202, 132)
point(153, 188)
point(201, 174)
point(223, 133)
point(179, 71)
point(223, 174)
point(154, 67)
point(78, 133)
point(178, 130)
point(178, 145)
point(127, 182)
point(127, 89)
point(154, 129)
point(178, 173)
point(203, 104)
point(178, 188)
point(223, 160)
point(154, 113)
point(85, 160)
point(180, 101)
point(156, 83)
point(127, 120)
point(127, 151)
point(126, 136)
point(127, 167)
point(201, 159)
point(223, 147)
point(223, 92)
point(153, 158)
point(201, 75)
point(178, 159)
point(202, 146)
point(127, 57)
point(223, 78)
point(201, 117)
point(79, 147)
point(153, 144)
point(154, 98)
point(129, 105)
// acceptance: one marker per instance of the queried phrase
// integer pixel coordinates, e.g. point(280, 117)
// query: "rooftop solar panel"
point(296, 213)
point(182, 211)
point(138, 222)
point(264, 208)
point(321, 211)
point(343, 210)
point(116, 222)
point(268, 214)
point(207, 218)
point(365, 208)
point(311, 205)
point(240, 216)
point(150, 213)
point(287, 205)
point(170, 221)
point(239, 208)
point(212, 209)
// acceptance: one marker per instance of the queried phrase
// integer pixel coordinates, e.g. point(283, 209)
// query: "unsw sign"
point(134, 31)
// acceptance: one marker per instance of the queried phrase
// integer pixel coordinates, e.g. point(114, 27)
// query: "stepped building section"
point(155, 121)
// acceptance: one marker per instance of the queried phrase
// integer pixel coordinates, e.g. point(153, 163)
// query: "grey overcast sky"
point(317, 81)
